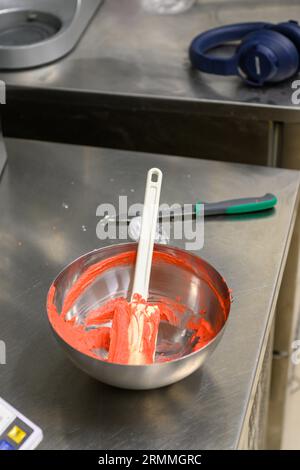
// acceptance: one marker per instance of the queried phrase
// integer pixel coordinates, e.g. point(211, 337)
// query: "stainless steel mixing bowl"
point(199, 286)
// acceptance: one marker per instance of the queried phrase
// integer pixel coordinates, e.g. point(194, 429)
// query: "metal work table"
point(128, 51)
point(128, 85)
point(48, 199)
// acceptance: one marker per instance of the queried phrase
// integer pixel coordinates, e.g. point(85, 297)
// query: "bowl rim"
point(162, 247)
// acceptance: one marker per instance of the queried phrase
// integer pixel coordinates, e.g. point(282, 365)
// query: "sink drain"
point(22, 28)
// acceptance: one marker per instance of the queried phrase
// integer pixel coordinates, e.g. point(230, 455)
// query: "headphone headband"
point(215, 37)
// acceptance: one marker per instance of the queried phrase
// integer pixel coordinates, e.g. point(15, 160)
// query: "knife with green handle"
point(230, 207)
point(238, 206)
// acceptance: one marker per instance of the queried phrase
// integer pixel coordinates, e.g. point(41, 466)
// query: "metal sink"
point(36, 32)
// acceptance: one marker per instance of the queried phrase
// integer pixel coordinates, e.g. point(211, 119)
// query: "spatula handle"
point(146, 243)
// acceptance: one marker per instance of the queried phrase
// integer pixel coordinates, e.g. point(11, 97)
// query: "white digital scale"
point(16, 431)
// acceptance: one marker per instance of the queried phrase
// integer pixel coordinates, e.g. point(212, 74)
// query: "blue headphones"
point(267, 53)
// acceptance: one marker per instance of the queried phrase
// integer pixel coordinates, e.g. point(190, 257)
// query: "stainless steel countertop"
point(39, 235)
point(127, 51)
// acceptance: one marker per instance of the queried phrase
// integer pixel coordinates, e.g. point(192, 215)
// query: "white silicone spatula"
point(142, 340)
point(147, 237)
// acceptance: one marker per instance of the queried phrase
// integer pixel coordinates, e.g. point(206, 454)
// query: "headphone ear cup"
point(291, 30)
point(267, 56)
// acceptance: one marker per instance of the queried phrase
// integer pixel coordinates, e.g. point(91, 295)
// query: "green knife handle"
point(239, 206)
